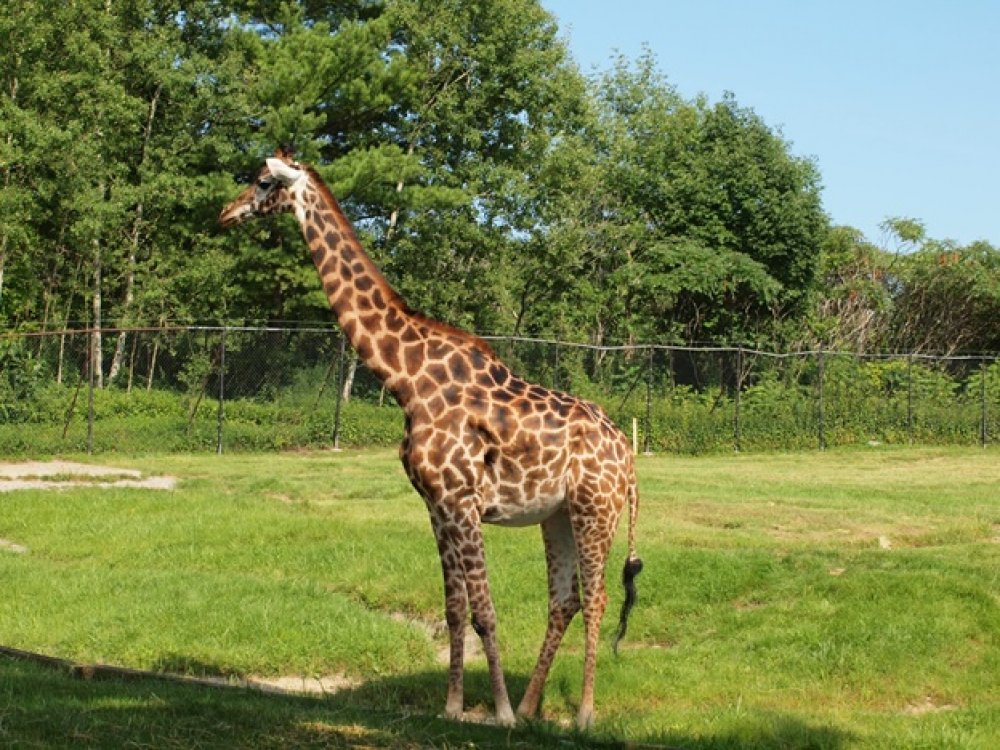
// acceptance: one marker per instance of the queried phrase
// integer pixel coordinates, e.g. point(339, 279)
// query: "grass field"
point(839, 600)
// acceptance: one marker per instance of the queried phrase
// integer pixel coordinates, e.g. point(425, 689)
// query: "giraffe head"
point(270, 193)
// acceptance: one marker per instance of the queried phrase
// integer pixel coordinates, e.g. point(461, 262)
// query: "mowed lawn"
point(830, 600)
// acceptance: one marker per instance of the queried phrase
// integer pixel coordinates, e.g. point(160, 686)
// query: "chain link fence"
point(236, 388)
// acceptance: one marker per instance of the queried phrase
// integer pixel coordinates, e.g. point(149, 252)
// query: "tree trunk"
point(152, 364)
point(96, 311)
point(6, 184)
point(3, 259)
point(116, 361)
point(394, 216)
point(352, 369)
point(131, 364)
point(65, 323)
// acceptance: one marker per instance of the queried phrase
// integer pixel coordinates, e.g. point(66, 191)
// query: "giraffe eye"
point(264, 184)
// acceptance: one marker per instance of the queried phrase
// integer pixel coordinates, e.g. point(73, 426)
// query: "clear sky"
point(897, 101)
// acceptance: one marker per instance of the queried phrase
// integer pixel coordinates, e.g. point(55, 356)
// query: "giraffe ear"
point(284, 173)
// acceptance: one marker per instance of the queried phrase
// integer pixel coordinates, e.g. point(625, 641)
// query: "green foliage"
point(499, 188)
point(281, 390)
point(921, 295)
point(686, 220)
point(459, 136)
point(949, 299)
point(157, 420)
point(21, 373)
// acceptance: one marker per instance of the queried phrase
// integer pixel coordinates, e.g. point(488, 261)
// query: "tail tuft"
point(633, 566)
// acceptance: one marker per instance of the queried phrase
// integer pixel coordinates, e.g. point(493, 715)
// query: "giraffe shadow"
point(396, 711)
point(424, 692)
point(418, 699)
point(419, 692)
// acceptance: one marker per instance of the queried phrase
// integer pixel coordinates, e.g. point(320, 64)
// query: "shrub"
point(890, 401)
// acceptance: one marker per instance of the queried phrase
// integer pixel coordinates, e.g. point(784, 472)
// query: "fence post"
point(555, 369)
point(822, 405)
point(222, 394)
point(91, 350)
point(647, 443)
point(983, 425)
point(340, 392)
point(909, 399)
point(737, 427)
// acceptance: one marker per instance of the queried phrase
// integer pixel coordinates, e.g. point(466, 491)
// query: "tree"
point(121, 122)
point(948, 299)
point(429, 120)
point(704, 226)
point(498, 188)
point(491, 86)
point(853, 301)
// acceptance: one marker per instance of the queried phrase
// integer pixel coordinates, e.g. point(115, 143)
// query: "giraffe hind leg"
point(593, 539)
point(564, 602)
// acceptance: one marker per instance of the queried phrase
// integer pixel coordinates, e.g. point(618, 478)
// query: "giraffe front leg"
point(484, 618)
point(463, 560)
point(564, 603)
point(456, 608)
point(455, 611)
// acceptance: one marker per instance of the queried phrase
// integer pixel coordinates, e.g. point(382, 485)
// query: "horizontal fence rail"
point(201, 388)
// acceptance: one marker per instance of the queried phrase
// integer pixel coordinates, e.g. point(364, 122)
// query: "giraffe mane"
point(445, 329)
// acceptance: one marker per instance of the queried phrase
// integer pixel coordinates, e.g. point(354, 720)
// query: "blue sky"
point(897, 102)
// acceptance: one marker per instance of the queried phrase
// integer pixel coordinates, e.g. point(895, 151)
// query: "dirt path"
point(48, 475)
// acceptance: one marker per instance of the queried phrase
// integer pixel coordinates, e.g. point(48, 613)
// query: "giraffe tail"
point(633, 566)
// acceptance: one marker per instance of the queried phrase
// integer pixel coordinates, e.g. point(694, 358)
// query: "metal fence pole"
point(340, 392)
point(822, 406)
point(222, 394)
point(909, 399)
point(983, 426)
point(647, 443)
point(736, 400)
point(555, 369)
point(91, 351)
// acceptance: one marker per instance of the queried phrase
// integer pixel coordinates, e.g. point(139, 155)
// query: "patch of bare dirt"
point(926, 706)
point(10, 546)
point(300, 685)
point(52, 475)
point(286, 685)
point(436, 631)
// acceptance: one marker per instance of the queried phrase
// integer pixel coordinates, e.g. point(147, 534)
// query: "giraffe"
point(480, 445)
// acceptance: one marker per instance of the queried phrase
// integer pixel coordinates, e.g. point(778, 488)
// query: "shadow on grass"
point(46, 707)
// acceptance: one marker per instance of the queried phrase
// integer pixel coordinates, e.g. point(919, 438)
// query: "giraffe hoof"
point(527, 709)
point(506, 718)
point(454, 714)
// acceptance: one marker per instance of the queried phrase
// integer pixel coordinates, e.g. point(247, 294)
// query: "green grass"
point(771, 614)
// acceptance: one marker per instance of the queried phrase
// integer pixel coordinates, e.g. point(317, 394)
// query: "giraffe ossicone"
point(480, 445)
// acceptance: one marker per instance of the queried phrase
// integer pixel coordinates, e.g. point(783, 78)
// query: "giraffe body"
point(480, 444)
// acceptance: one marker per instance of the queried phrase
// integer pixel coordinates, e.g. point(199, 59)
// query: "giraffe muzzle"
point(234, 214)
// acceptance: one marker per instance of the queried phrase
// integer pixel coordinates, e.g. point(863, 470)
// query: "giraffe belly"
point(518, 509)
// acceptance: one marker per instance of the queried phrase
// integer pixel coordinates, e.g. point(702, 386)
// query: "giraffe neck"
point(372, 314)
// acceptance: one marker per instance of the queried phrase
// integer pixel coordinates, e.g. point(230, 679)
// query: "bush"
point(885, 400)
